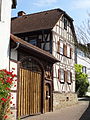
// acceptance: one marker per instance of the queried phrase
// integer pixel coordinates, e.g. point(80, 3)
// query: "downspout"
point(13, 50)
point(10, 52)
point(16, 46)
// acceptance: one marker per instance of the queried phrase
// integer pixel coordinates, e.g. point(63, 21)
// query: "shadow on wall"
point(86, 114)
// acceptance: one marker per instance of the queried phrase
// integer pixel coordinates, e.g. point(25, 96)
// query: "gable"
point(65, 28)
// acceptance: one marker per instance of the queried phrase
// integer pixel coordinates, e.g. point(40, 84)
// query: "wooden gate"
point(29, 92)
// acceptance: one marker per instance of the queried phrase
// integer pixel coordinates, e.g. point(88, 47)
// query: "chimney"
point(21, 13)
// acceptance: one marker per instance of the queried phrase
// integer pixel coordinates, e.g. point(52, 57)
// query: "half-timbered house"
point(52, 31)
point(33, 86)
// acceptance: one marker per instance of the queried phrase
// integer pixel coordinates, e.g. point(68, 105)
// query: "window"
point(81, 53)
point(32, 40)
point(71, 53)
point(84, 69)
point(65, 23)
point(45, 46)
point(26, 39)
point(68, 51)
point(61, 48)
point(61, 75)
point(68, 77)
point(0, 8)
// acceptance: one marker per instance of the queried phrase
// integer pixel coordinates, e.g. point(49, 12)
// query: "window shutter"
point(65, 50)
point(58, 45)
point(65, 76)
point(71, 77)
point(71, 53)
point(59, 75)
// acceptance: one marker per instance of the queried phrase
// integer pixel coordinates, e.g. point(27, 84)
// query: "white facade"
point(63, 37)
point(5, 13)
point(84, 61)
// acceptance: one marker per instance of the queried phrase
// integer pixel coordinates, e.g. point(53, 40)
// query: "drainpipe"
point(16, 46)
point(13, 50)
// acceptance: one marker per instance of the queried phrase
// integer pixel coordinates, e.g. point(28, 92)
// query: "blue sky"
point(77, 9)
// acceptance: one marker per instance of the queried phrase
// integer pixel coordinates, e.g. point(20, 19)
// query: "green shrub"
point(81, 81)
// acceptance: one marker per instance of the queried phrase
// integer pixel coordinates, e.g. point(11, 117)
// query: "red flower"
point(9, 97)
point(9, 80)
point(13, 75)
point(11, 112)
point(5, 116)
point(12, 97)
point(7, 88)
point(10, 102)
point(4, 99)
point(14, 85)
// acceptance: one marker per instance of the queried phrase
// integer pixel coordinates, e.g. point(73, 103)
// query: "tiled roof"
point(34, 49)
point(37, 21)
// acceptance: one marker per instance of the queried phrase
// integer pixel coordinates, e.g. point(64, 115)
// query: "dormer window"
point(65, 23)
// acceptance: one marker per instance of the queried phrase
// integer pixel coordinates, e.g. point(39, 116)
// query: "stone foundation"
point(61, 100)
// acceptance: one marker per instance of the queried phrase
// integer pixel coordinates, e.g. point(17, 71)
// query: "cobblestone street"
point(80, 111)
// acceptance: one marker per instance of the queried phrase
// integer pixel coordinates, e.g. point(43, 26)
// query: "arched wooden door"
point(47, 97)
point(29, 88)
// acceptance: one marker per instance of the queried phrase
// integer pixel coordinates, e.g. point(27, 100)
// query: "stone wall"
point(61, 100)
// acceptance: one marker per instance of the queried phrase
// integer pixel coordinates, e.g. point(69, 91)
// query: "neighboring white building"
point(5, 20)
point(84, 59)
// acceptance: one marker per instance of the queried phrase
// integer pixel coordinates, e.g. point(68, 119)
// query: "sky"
point(77, 9)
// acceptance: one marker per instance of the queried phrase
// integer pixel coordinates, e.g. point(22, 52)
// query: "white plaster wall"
point(5, 33)
point(14, 54)
point(13, 67)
